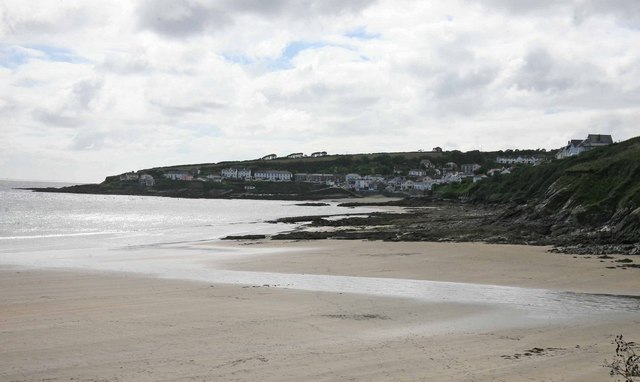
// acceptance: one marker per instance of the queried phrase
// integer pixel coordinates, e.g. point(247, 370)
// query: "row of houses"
point(295, 155)
point(247, 174)
point(530, 160)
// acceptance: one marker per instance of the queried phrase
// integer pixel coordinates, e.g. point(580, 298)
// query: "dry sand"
point(62, 325)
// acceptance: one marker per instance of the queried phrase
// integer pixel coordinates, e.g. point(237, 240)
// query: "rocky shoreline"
point(446, 221)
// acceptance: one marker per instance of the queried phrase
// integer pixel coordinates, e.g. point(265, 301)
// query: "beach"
point(63, 324)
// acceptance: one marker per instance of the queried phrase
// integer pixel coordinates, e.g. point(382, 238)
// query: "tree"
point(626, 363)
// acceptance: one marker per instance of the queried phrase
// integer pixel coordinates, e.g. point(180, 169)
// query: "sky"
point(101, 87)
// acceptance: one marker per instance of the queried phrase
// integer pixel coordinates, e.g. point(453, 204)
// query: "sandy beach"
point(99, 326)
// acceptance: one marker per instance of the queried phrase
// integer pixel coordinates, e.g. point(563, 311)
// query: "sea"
point(176, 238)
point(72, 230)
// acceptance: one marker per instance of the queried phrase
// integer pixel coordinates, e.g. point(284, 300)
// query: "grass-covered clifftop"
point(600, 188)
point(386, 164)
point(603, 179)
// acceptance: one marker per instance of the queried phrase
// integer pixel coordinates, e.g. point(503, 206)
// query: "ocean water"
point(38, 221)
point(179, 239)
point(27, 214)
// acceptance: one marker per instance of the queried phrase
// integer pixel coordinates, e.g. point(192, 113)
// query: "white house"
point(424, 185)
point(146, 180)
point(417, 172)
point(269, 157)
point(329, 179)
point(426, 163)
point(129, 176)
point(363, 184)
point(577, 146)
point(394, 183)
point(407, 185)
point(374, 178)
point(452, 178)
point(319, 154)
point(351, 178)
point(273, 175)
point(236, 173)
point(450, 167)
point(295, 155)
point(178, 175)
point(470, 168)
point(518, 160)
point(477, 178)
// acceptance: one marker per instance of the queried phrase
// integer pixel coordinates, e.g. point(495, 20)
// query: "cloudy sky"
point(100, 87)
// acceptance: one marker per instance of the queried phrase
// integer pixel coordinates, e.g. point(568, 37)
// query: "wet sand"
point(80, 325)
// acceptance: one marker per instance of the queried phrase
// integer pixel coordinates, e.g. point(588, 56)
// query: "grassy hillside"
point(363, 164)
point(594, 185)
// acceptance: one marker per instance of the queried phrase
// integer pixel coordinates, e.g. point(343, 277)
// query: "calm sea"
point(178, 238)
point(41, 222)
point(27, 214)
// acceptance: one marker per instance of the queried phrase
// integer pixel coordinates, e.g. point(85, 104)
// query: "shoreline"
point(337, 310)
point(478, 263)
point(89, 325)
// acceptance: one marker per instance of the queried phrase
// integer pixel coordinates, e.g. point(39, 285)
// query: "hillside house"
point(236, 173)
point(407, 185)
point(129, 176)
point(577, 146)
point(394, 183)
point(328, 179)
point(351, 178)
point(273, 175)
point(178, 175)
point(364, 185)
point(451, 178)
point(375, 178)
point(426, 163)
point(423, 185)
point(269, 157)
point(477, 178)
point(469, 168)
point(450, 167)
point(571, 149)
point(518, 160)
point(146, 180)
point(417, 172)
point(295, 156)
point(319, 154)
point(495, 171)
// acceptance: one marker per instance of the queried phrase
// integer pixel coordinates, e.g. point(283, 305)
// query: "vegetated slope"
point(364, 164)
point(597, 191)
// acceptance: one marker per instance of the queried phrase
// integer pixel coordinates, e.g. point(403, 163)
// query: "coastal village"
point(413, 181)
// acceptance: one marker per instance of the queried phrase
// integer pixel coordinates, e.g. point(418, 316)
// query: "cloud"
point(177, 110)
point(55, 118)
point(541, 73)
point(625, 12)
point(89, 140)
point(21, 19)
point(457, 84)
point(298, 8)
point(181, 18)
point(141, 84)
